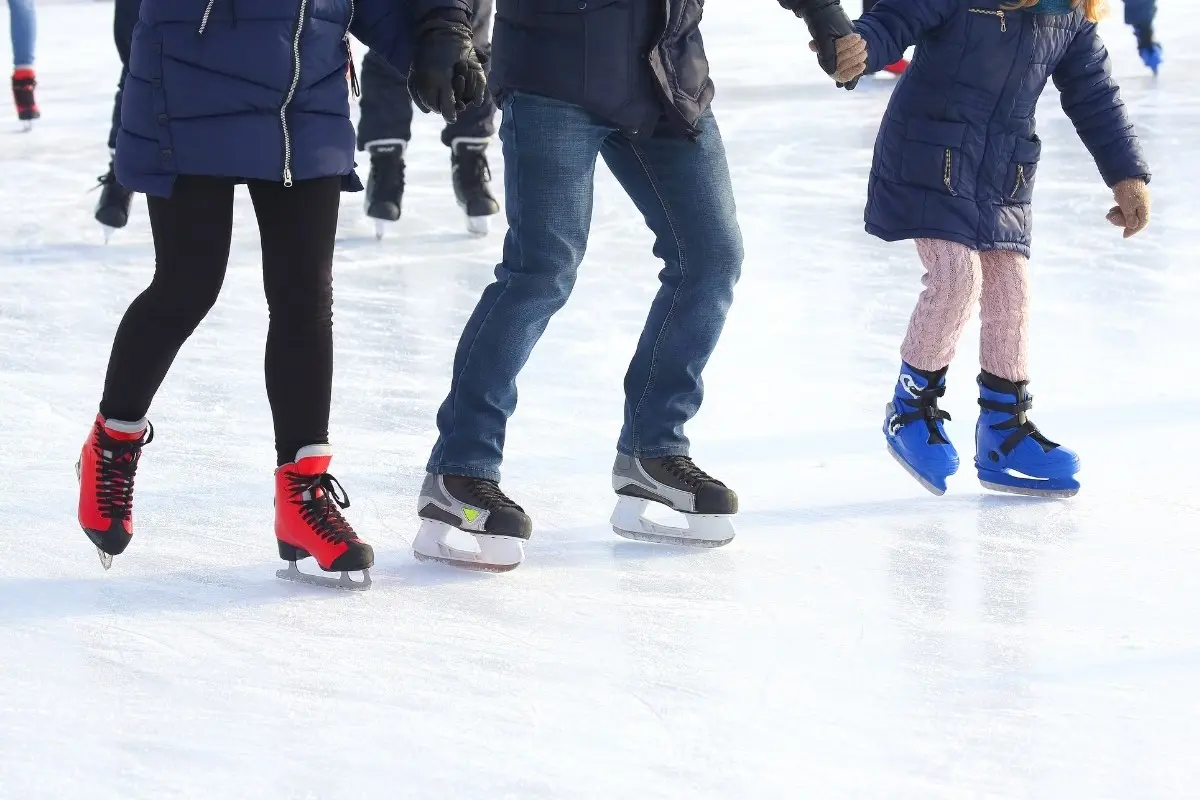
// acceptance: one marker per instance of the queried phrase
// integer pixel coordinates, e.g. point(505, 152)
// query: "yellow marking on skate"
point(471, 514)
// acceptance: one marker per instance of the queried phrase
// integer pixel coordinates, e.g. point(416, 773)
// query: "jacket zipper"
point(946, 173)
point(204, 19)
point(287, 135)
point(1020, 181)
point(992, 13)
point(355, 89)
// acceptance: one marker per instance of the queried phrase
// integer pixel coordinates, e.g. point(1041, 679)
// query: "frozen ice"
point(858, 639)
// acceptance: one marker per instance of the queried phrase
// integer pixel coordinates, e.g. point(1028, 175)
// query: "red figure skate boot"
point(106, 468)
point(309, 522)
point(898, 67)
point(23, 83)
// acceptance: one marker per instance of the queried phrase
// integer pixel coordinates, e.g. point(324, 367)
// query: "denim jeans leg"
point(550, 151)
point(683, 189)
point(22, 19)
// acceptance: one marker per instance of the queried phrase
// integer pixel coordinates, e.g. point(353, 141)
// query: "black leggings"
point(192, 233)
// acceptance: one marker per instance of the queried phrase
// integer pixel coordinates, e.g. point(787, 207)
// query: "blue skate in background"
point(913, 427)
point(1150, 50)
point(1011, 453)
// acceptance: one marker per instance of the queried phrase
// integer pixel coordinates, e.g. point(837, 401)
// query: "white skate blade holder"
point(381, 227)
point(478, 226)
point(495, 553)
point(292, 573)
point(703, 530)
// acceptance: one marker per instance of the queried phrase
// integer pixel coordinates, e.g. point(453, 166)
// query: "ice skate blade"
point(1031, 487)
point(106, 559)
point(478, 226)
point(108, 233)
point(380, 229)
point(26, 126)
point(703, 530)
point(292, 573)
point(921, 479)
point(495, 554)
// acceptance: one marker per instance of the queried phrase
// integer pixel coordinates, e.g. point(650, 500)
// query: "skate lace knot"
point(1018, 422)
point(116, 465)
point(490, 495)
point(389, 174)
point(321, 498)
point(683, 468)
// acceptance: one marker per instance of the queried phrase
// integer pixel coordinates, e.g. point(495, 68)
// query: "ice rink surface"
point(859, 639)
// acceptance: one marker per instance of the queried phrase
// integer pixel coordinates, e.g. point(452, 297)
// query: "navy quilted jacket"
point(957, 154)
point(251, 89)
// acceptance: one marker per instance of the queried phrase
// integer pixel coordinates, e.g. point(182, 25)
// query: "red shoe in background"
point(898, 67)
point(23, 82)
point(106, 469)
point(309, 522)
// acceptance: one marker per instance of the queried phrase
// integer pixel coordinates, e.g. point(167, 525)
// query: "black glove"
point(827, 22)
point(446, 74)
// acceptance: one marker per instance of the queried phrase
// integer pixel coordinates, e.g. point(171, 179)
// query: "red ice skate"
point(23, 83)
point(898, 67)
point(106, 468)
point(309, 522)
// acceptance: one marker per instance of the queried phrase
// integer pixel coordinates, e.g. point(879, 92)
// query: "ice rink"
point(859, 639)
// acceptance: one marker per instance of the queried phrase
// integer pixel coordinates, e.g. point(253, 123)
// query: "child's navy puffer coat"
point(251, 89)
point(957, 155)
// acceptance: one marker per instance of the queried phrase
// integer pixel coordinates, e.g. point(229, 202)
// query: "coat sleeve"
point(893, 26)
point(1092, 100)
point(386, 26)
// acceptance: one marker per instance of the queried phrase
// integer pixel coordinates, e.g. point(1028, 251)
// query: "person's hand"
point(446, 75)
point(1132, 211)
point(827, 25)
point(850, 59)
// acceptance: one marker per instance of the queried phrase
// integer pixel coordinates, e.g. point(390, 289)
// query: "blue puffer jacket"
point(957, 155)
point(251, 89)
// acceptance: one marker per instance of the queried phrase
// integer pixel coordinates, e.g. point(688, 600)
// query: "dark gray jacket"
point(629, 61)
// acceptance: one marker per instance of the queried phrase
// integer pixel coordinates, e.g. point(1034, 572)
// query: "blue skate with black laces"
point(1011, 454)
point(914, 428)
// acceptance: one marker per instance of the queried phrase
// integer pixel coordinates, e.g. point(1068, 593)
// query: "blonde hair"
point(1094, 10)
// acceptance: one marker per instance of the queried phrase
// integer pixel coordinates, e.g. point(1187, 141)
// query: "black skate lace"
point(106, 179)
point(475, 165)
point(490, 496)
point(322, 511)
point(683, 468)
point(389, 175)
point(1018, 423)
point(115, 472)
point(925, 406)
point(23, 92)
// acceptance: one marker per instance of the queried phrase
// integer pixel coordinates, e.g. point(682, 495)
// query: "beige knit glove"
point(851, 57)
point(1132, 211)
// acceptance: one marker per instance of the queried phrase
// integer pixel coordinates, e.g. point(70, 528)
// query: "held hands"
point(850, 58)
point(829, 27)
point(1132, 211)
point(447, 75)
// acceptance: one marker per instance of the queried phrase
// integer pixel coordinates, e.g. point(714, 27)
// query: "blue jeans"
point(683, 190)
point(23, 26)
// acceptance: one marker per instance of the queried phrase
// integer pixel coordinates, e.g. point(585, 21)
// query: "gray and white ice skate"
point(476, 507)
point(677, 483)
point(293, 573)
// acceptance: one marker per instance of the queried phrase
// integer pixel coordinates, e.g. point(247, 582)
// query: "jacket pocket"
point(1018, 186)
point(933, 155)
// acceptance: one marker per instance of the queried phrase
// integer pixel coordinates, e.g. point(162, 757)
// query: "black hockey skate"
point(385, 186)
point(471, 174)
point(112, 209)
point(477, 507)
point(676, 482)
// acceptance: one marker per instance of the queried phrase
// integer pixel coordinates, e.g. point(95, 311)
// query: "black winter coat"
point(628, 61)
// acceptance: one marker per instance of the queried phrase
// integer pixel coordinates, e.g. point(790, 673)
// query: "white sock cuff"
point(121, 426)
point(314, 450)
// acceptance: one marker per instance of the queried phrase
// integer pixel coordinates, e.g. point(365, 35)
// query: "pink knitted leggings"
point(955, 278)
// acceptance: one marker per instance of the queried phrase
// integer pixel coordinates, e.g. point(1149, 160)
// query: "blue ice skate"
point(1150, 50)
point(1011, 454)
point(913, 427)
